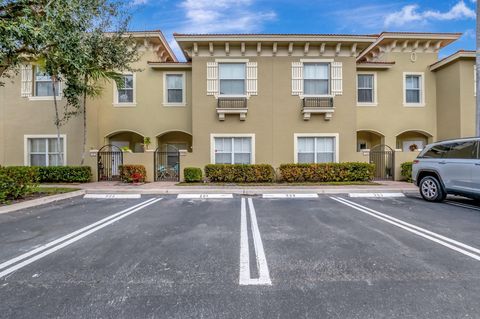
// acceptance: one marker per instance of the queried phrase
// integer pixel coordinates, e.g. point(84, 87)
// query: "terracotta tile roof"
point(376, 62)
point(452, 57)
point(273, 34)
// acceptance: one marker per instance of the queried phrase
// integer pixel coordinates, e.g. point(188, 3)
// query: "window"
point(462, 150)
point(436, 151)
point(233, 150)
point(414, 94)
point(366, 88)
point(43, 151)
point(316, 149)
point(232, 78)
point(174, 89)
point(126, 94)
point(316, 78)
point(43, 85)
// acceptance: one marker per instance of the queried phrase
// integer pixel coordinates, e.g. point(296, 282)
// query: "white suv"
point(448, 167)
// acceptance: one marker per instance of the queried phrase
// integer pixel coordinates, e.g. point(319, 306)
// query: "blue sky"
point(307, 16)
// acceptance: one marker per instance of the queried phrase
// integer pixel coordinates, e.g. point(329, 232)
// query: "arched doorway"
point(413, 140)
point(109, 158)
point(167, 164)
point(128, 141)
point(367, 139)
point(383, 156)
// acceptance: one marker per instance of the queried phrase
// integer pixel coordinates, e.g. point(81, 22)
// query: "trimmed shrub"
point(240, 173)
point(17, 182)
point(65, 174)
point(192, 174)
point(327, 172)
point(406, 171)
point(133, 173)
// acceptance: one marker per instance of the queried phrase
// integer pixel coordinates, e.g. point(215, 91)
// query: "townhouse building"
point(254, 98)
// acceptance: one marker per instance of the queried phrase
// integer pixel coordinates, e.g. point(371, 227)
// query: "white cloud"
point(207, 16)
point(410, 13)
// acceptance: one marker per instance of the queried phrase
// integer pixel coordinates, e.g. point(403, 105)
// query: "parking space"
point(241, 257)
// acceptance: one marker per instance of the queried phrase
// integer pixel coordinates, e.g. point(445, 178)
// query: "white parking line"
point(204, 196)
point(263, 273)
point(70, 238)
point(290, 196)
point(381, 195)
point(112, 196)
point(442, 240)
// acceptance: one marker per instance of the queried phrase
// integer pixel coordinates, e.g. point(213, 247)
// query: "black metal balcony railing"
point(320, 102)
point(232, 103)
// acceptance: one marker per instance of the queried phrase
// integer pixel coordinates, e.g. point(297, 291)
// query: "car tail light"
point(416, 161)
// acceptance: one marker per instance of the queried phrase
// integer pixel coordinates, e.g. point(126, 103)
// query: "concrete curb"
point(248, 191)
point(40, 201)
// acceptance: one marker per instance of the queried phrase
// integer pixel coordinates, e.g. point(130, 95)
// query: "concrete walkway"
point(173, 188)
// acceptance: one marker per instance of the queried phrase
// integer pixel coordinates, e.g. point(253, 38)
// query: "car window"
point(436, 151)
point(462, 150)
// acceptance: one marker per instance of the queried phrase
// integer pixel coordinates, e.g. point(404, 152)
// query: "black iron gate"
point(167, 165)
point(383, 156)
point(109, 158)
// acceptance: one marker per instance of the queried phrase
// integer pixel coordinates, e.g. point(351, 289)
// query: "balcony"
point(232, 105)
point(317, 105)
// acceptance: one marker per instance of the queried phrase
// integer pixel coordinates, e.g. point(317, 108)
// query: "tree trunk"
point(84, 123)
point(477, 118)
point(57, 120)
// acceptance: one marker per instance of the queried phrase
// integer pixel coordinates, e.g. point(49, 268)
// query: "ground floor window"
point(316, 149)
point(233, 150)
point(45, 151)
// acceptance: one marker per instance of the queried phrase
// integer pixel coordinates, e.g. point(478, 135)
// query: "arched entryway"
point(367, 139)
point(383, 156)
point(167, 154)
point(129, 141)
point(412, 140)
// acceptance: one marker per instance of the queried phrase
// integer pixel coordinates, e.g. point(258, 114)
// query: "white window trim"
point(33, 97)
point(26, 157)
point(422, 89)
point(165, 91)
point(220, 61)
point(212, 145)
point(297, 135)
point(115, 93)
point(375, 97)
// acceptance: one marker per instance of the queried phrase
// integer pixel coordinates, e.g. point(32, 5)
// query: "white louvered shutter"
point(337, 85)
point(297, 78)
point(60, 89)
point(27, 85)
point(252, 78)
point(212, 78)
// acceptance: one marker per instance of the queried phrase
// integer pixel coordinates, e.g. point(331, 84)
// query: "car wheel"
point(431, 189)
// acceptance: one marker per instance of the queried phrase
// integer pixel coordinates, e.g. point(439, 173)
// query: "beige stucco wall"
point(21, 117)
point(456, 100)
point(274, 115)
point(390, 117)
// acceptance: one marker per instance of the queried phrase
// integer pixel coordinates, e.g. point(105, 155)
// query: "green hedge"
point(17, 182)
point(192, 174)
point(65, 174)
point(240, 173)
point(406, 171)
point(327, 172)
point(133, 173)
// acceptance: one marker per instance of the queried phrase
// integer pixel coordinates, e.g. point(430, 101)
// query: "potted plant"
point(146, 142)
point(126, 149)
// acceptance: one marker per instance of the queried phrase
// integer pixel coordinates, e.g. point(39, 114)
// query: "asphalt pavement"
point(327, 256)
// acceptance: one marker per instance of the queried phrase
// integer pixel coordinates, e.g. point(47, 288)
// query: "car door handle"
point(442, 162)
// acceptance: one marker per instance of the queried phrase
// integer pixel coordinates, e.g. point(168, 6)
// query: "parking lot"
point(228, 256)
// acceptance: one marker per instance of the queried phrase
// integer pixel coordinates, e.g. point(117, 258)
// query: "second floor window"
point(125, 94)
point(174, 88)
point(232, 78)
point(43, 84)
point(316, 79)
point(366, 92)
point(413, 89)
